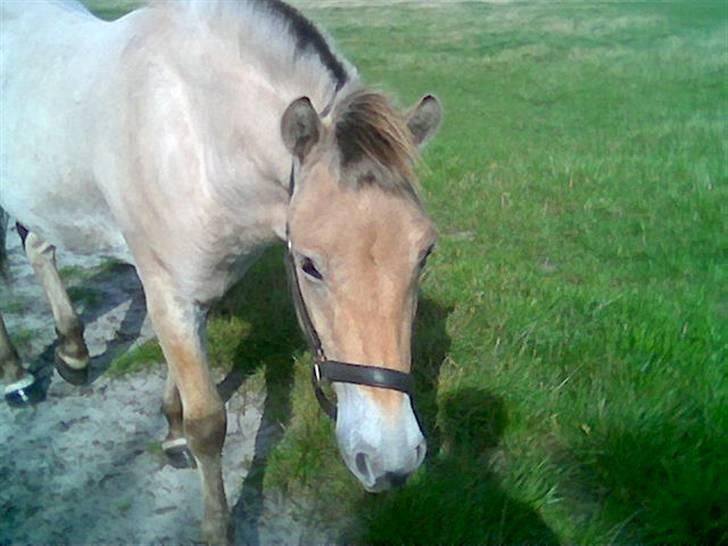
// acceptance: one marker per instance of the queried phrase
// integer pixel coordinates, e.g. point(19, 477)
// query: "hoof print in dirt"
point(26, 393)
point(180, 457)
point(78, 377)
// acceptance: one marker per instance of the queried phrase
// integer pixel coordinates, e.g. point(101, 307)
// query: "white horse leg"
point(179, 325)
point(71, 354)
point(175, 444)
point(21, 387)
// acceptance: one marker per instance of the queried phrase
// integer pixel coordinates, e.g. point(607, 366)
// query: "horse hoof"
point(74, 376)
point(179, 455)
point(25, 392)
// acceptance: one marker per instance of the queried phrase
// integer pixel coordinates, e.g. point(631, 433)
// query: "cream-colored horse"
point(170, 139)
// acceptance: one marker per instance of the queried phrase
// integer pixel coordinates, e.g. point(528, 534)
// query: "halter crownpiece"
point(333, 371)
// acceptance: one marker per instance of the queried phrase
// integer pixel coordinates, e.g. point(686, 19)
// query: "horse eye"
point(310, 269)
point(426, 255)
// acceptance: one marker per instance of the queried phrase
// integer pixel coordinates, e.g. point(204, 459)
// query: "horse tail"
point(3, 252)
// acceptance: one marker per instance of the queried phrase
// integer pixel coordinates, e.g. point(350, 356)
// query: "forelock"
point(374, 143)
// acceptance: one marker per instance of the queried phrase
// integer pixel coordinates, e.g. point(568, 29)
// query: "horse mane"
point(281, 25)
point(367, 127)
point(374, 142)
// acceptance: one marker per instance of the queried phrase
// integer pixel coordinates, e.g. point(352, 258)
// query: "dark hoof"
point(180, 457)
point(78, 377)
point(27, 395)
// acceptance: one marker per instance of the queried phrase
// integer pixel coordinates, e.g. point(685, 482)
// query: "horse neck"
point(238, 92)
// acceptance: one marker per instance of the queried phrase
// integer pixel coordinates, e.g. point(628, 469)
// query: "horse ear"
point(300, 127)
point(424, 119)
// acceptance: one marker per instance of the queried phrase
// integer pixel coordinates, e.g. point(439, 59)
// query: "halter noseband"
point(331, 370)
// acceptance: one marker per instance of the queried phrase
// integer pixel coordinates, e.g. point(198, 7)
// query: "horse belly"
point(81, 226)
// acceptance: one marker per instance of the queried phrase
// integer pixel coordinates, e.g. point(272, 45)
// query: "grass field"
point(572, 341)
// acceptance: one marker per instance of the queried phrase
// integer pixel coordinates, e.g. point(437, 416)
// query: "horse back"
point(54, 79)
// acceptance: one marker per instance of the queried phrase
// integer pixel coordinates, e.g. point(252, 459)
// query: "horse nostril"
point(397, 479)
point(362, 465)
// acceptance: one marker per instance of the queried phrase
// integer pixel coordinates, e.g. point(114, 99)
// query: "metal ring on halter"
point(317, 372)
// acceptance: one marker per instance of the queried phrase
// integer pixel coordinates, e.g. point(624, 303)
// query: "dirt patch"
point(85, 465)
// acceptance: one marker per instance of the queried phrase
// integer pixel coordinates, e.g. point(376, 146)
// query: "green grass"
point(111, 9)
point(13, 306)
point(141, 357)
point(584, 155)
point(83, 296)
point(73, 273)
point(22, 339)
point(572, 343)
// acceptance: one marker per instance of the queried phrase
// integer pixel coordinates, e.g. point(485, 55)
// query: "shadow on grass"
point(656, 480)
point(456, 499)
point(430, 347)
point(262, 300)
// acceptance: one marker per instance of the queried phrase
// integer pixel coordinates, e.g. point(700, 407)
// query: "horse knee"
point(206, 435)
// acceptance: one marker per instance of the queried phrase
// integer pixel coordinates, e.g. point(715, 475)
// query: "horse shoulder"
point(192, 204)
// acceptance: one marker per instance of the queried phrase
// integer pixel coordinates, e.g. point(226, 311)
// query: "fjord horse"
point(186, 137)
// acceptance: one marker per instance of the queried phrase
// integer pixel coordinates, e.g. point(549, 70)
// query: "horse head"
point(358, 239)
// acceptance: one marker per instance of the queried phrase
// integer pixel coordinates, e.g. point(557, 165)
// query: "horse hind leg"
point(72, 356)
point(22, 388)
point(175, 444)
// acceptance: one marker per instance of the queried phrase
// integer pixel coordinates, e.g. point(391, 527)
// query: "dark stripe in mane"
point(308, 37)
point(374, 141)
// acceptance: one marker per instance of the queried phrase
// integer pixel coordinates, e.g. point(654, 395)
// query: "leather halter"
point(333, 371)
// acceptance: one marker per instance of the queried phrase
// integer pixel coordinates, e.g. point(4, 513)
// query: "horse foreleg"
point(179, 327)
point(21, 386)
point(71, 353)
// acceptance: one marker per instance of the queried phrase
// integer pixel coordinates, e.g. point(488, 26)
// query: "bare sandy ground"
point(84, 466)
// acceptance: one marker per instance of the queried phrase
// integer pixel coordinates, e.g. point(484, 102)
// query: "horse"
point(186, 137)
